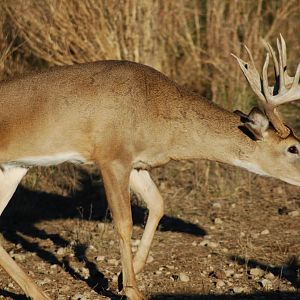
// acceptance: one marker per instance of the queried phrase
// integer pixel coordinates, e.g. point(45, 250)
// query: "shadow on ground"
point(26, 208)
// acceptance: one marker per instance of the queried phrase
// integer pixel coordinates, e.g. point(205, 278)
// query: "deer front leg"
point(142, 184)
point(9, 180)
point(116, 183)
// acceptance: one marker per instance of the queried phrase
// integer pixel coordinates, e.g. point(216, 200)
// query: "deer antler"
point(285, 89)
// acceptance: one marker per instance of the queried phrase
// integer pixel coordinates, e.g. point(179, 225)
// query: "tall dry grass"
point(189, 40)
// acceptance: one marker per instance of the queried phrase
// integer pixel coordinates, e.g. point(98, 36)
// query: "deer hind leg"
point(142, 184)
point(9, 180)
point(116, 183)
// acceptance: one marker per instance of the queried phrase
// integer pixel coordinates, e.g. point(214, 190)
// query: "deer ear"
point(256, 122)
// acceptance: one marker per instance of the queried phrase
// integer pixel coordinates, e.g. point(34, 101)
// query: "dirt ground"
point(226, 234)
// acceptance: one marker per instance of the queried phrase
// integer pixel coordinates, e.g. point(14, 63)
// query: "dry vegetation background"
point(188, 40)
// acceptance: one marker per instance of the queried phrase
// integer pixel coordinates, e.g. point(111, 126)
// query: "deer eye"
point(293, 150)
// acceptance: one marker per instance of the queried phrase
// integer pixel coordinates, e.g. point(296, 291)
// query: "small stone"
point(46, 280)
point(257, 272)
point(111, 243)
point(100, 258)
point(220, 284)
point(238, 289)
point(217, 205)
point(194, 243)
point(212, 244)
point(225, 250)
point(294, 213)
point(204, 243)
point(170, 267)
point(113, 261)
point(85, 272)
point(54, 266)
point(92, 248)
point(135, 242)
point(238, 275)
point(265, 232)
point(61, 251)
point(115, 278)
point(150, 259)
point(266, 283)
point(242, 234)
point(218, 221)
point(158, 272)
point(183, 277)
point(229, 272)
point(19, 257)
point(270, 276)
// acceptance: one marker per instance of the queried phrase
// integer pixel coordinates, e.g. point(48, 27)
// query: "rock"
point(217, 205)
point(220, 284)
point(294, 213)
point(204, 243)
point(85, 272)
point(218, 221)
point(46, 280)
point(170, 267)
point(238, 289)
point(100, 258)
point(61, 251)
point(194, 243)
point(265, 232)
point(229, 272)
point(113, 261)
point(257, 272)
point(183, 277)
point(266, 283)
point(135, 242)
point(19, 257)
point(270, 276)
point(150, 259)
point(212, 244)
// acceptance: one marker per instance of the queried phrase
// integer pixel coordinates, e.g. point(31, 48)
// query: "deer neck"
point(210, 132)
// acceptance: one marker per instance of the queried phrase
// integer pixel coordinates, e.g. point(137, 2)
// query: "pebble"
point(257, 272)
point(265, 232)
point(194, 243)
point(270, 276)
point(229, 272)
point(217, 205)
point(150, 259)
point(220, 284)
point(19, 257)
point(61, 251)
point(113, 261)
point(85, 272)
point(183, 277)
point(294, 213)
point(135, 242)
point(238, 289)
point(100, 258)
point(266, 283)
point(218, 221)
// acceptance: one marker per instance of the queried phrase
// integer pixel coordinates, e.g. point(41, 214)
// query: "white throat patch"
point(250, 167)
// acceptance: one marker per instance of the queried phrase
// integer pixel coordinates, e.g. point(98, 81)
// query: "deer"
point(128, 118)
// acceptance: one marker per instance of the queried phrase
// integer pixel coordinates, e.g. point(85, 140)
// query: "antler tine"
point(272, 52)
point(251, 74)
point(288, 79)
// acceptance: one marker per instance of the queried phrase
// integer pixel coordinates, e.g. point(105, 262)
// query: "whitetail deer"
point(128, 118)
